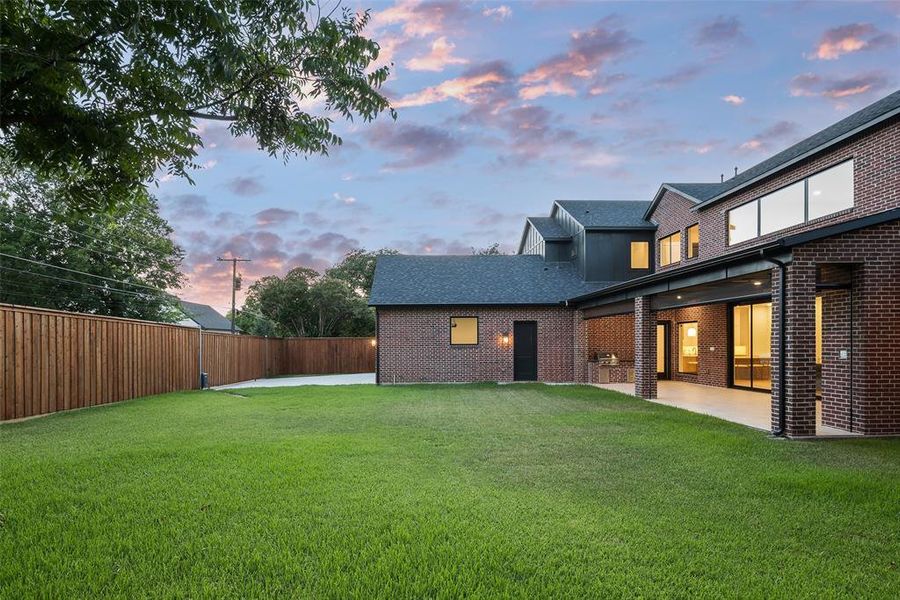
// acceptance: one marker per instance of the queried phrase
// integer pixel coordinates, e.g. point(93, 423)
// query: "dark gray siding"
point(609, 255)
point(534, 243)
point(557, 251)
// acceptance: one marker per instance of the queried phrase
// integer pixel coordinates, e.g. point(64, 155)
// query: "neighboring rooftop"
point(445, 280)
point(612, 214)
point(549, 228)
point(206, 316)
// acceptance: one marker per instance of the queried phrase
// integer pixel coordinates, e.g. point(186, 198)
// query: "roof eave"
point(841, 138)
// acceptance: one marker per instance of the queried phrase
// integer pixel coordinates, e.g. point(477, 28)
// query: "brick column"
point(800, 351)
point(580, 347)
point(644, 349)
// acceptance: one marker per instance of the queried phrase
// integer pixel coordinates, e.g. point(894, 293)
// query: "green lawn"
point(437, 491)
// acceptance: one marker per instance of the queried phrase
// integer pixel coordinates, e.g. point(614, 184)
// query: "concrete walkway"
point(353, 379)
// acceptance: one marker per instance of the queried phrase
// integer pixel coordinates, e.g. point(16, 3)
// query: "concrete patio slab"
point(752, 409)
point(351, 379)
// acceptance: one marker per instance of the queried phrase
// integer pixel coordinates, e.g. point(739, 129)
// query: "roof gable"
point(607, 214)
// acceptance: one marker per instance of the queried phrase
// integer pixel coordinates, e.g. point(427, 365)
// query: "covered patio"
point(752, 409)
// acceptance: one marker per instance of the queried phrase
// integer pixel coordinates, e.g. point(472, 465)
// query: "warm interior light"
point(691, 332)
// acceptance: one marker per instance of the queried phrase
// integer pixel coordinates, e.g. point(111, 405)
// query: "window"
point(743, 223)
point(817, 196)
point(782, 209)
point(688, 347)
point(693, 241)
point(463, 331)
point(670, 249)
point(831, 191)
point(640, 255)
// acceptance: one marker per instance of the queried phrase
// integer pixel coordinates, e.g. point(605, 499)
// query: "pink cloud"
point(420, 19)
point(847, 39)
point(471, 87)
point(810, 84)
point(588, 52)
point(439, 57)
point(734, 99)
point(499, 13)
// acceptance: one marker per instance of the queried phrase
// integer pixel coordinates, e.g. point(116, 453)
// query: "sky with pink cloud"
point(505, 107)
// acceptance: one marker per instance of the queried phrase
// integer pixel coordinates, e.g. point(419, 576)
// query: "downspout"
point(782, 319)
point(200, 355)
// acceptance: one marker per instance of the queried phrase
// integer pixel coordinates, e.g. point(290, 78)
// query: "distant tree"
point(126, 252)
point(492, 250)
point(358, 269)
point(303, 303)
point(102, 94)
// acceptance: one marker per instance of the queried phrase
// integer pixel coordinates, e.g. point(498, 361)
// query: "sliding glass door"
point(752, 345)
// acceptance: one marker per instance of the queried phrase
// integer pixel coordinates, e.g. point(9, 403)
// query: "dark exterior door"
point(525, 350)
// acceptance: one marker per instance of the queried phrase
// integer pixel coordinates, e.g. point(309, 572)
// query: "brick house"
point(783, 280)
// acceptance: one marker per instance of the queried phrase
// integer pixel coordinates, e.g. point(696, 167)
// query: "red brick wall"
point(875, 251)
point(673, 214)
point(414, 344)
point(876, 157)
point(611, 334)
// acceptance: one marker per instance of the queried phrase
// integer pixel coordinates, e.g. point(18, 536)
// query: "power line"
point(74, 245)
point(93, 285)
point(119, 281)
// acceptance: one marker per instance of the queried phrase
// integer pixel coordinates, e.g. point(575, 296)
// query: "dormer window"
point(670, 249)
point(640, 255)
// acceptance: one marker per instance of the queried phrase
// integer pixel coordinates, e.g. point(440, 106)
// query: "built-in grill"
point(606, 358)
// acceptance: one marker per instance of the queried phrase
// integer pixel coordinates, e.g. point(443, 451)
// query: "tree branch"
point(200, 115)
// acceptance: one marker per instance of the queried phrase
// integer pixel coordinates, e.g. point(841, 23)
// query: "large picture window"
point(782, 209)
point(640, 255)
point(463, 331)
point(819, 195)
point(743, 223)
point(831, 191)
point(688, 347)
point(670, 249)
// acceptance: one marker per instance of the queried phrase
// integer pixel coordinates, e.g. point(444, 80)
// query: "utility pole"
point(234, 261)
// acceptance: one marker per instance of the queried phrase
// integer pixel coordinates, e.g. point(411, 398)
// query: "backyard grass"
point(437, 491)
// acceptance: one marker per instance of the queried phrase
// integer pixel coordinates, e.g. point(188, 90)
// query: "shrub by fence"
point(52, 361)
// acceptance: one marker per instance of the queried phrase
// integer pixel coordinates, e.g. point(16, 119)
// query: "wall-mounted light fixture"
point(505, 339)
point(373, 342)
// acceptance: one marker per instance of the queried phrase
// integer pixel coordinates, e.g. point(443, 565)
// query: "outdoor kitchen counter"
point(599, 372)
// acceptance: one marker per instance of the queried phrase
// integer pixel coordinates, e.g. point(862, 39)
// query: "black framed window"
point(693, 241)
point(670, 249)
point(463, 331)
point(824, 193)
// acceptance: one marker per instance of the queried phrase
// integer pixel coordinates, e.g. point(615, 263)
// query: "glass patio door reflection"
point(752, 345)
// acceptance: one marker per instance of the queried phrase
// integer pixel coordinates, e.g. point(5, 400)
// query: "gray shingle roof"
point(206, 316)
point(867, 116)
point(699, 192)
point(549, 228)
point(447, 280)
point(626, 214)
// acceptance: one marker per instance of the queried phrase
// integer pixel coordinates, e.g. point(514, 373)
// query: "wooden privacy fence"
point(52, 360)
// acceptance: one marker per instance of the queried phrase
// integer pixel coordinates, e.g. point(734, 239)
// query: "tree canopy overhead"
point(117, 263)
point(103, 94)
